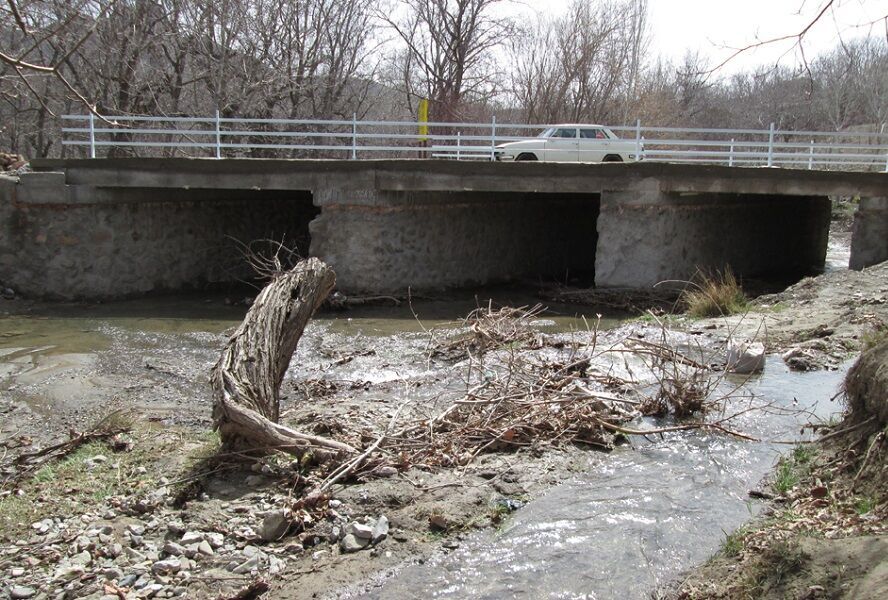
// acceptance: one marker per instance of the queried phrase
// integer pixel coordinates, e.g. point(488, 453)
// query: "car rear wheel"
point(612, 158)
point(526, 156)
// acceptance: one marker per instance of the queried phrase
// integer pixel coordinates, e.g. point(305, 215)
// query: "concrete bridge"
point(107, 227)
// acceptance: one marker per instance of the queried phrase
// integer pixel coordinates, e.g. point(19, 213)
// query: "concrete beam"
point(468, 176)
point(869, 238)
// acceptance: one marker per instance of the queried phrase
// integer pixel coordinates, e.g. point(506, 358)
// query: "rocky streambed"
point(154, 512)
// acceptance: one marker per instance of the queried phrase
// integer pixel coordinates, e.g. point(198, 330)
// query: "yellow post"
point(422, 116)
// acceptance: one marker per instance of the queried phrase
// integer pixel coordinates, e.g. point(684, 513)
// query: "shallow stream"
point(635, 520)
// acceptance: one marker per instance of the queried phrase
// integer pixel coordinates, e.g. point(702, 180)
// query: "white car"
point(570, 143)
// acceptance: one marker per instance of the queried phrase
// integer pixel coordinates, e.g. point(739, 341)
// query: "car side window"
point(565, 133)
point(592, 134)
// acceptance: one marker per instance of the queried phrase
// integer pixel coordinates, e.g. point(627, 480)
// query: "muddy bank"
point(826, 534)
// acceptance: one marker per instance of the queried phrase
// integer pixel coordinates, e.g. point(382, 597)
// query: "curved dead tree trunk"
point(247, 378)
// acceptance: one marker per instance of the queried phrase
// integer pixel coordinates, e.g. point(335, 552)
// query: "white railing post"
point(218, 136)
point(886, 163)
point(637, 137)
point(458, 144)
point(731, 154)
point(92, 135)
point(493, 138)
point(811, 156)
point(641, 157)
point(771, 146)
point(354, 136)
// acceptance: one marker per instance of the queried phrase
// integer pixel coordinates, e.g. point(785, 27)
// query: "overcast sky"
point(713, 26)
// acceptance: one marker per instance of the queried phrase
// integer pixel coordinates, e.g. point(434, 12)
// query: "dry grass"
point(716, 295)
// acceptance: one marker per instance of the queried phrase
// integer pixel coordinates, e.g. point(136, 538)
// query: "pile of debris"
point(11, 162)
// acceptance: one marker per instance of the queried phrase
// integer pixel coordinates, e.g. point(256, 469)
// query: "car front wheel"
point(527, 156)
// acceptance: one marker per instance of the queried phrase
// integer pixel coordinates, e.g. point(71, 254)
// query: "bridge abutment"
point(646, 237)
point(869, 238)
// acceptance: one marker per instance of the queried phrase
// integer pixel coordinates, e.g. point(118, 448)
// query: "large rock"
point(745, 357)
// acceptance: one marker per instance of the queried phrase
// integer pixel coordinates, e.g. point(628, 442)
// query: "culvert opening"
point(564, 237)
point(217, 227)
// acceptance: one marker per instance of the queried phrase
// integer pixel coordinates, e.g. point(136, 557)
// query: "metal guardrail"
point(235, 137)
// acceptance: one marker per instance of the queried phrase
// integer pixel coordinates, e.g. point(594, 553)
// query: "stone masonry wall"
point(649, 237)
point(60, 242)
point(389, 241)
point(869, 240)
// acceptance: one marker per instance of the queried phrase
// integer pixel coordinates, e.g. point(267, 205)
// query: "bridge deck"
point(434, 175)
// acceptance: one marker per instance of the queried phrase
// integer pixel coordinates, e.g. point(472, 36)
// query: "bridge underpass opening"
point(651, 237)
point(84, 242)
point(388, 241)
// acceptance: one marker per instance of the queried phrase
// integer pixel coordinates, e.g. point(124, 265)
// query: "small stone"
point(359, 530)
point(247, 566)
point(128, 580)
point(82, 559)
point(173, 549)
point(68, 572)
point(275, 526)
point(451, 544)
point(112, 573)
point(387, 471)
point(151, 590)
point(352, 543)
point(165, 567)
point(335, 534)
point(20, 592)
point(380, 530)
point(275, 565)
point(114, 550)
point(205, 548)
point(138, 530)
point(17, 572)
point(191, 537)
point(191, 550)
point(216, 540)
point(334, 503)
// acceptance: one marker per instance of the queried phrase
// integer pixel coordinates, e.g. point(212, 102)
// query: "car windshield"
point(546, 133)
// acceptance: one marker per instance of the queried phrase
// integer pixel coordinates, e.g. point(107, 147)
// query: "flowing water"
point(638, 517)
point(634, 520)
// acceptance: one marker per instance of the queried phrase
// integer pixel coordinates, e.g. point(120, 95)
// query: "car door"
point(594, 144)
point(562, 145)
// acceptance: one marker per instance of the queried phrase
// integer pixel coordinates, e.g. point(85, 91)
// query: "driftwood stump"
point(247, 378)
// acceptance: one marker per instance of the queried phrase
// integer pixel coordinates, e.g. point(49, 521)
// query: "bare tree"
point(448, 51)
point(583, 66)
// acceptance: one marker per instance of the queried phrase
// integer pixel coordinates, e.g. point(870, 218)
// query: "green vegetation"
point(734, 543)
point(792, 469)
point(864, 504)
point(65, 486)
point(715, 295)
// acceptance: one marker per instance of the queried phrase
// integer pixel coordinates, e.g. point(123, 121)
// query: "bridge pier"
point(381, 241)
point(869, 238)
point(646, 237)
